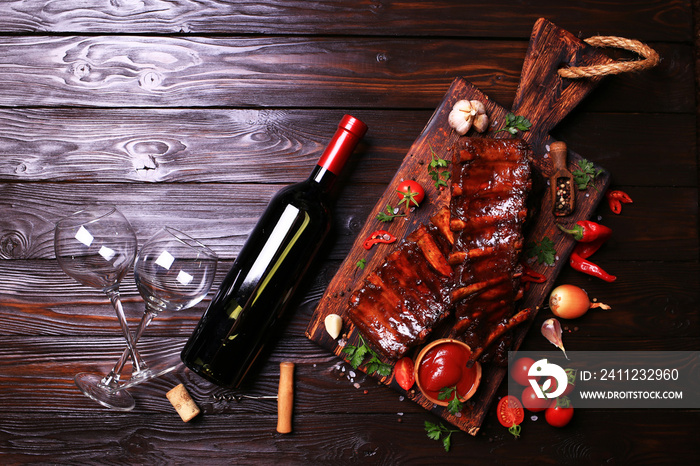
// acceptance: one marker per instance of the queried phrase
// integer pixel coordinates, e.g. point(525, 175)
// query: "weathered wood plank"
point(319, 72)
point(31, 382)
point(222, 216)
point(656, 20)
point(37, 299)
point(281, 146)
point(347, 439)
point(639, 149)
point(194, 145)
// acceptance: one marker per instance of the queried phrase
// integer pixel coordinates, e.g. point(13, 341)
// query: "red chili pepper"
point(615, 200)
point(379, 236)
point(593, 236)
point(530, 275)
point(588, 267)
point(586, 231)
point(583, 251)
point(586, 250)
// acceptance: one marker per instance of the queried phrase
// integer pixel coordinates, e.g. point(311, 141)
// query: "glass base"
point(145, 375)
point(91, 385)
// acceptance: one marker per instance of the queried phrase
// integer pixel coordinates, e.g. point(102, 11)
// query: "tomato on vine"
point(411, 193)
point(559, 413)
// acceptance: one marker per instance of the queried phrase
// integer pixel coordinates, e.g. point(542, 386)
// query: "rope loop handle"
point(651, 59)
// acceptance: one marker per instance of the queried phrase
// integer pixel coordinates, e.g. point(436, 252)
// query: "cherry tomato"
point(532, 402)
point(510, 414)
point(411, 193)
point(559, 413)
point(519, 370)
point(403, 373)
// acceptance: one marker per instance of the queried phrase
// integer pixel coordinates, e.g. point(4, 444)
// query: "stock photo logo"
point(542, 368)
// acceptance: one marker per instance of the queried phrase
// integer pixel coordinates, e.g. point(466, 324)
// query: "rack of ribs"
point(490, 184)
point(467, 258)
point(407, 295)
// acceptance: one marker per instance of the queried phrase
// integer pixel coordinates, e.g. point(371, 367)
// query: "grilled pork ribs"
point(467, 259)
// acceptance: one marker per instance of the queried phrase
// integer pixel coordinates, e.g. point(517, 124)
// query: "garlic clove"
point(551, 330)
point(478, 106)
point(334, 324)
point(481, 122)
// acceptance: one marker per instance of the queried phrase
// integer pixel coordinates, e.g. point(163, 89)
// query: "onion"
point(570, 302)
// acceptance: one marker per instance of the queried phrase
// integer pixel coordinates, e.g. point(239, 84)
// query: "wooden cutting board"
point(543, 98)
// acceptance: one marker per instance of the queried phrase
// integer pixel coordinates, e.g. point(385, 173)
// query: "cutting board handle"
point(544, 97)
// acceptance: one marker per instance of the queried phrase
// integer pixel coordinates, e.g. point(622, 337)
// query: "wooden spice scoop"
point(285, 398)
point(561, 182)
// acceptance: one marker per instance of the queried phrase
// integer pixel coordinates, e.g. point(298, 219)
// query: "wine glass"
point(96, 246)
point(173, 272)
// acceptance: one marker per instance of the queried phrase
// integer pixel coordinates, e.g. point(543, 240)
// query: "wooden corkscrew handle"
point(285, 398)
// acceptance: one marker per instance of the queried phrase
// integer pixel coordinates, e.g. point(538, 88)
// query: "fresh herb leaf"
point(447, 442)
point(361, 264)
point(437, 171)
point(455, 405)
point(585, 174)
point(544, 251)
point(390, 214)
point(376, 365)
point(436, 431)
point(357, 355)
point(515, 123)
point(433, 430)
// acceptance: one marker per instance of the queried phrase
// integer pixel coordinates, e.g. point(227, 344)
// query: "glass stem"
point(112, 378)
point(146, 319)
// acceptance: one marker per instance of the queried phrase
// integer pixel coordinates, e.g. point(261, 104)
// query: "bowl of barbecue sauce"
point(442, 366)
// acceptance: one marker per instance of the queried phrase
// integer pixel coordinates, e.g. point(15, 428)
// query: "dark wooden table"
point(193, 114)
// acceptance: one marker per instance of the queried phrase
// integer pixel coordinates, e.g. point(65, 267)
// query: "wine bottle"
point(256, 291)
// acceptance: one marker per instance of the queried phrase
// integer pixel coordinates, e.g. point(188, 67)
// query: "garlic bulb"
point(468, 113)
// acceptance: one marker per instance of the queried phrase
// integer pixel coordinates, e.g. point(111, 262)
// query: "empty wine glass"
point(173, 272)
point(96, 246)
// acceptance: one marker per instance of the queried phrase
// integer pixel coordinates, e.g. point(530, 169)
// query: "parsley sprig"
point(543, 250)
point(357, 356)
point(436, 431)
point(515, 123)
point(390, 214)
point(455, 405)
point(585, 174)
point(437, 170)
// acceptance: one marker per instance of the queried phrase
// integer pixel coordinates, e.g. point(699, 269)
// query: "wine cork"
point(285, 398)
point(183, 403)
